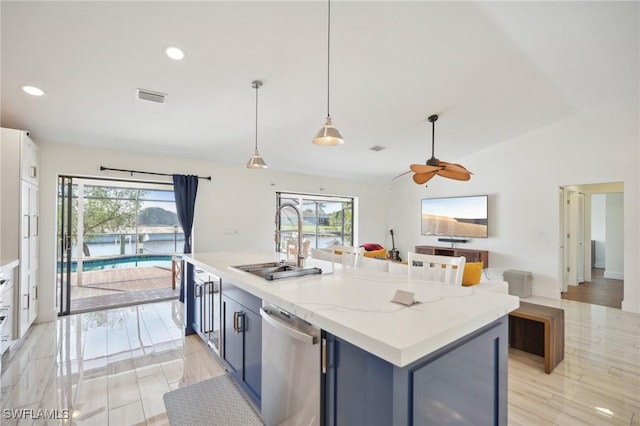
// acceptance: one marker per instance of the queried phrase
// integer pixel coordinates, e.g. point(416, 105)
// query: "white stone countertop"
point(355, 304)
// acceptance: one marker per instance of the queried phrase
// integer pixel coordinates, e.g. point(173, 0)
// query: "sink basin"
point(276, 270)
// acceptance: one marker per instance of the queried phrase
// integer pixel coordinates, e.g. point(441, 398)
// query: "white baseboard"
point(614, 275)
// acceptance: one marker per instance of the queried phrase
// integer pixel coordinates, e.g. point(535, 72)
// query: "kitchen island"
point(443, 359)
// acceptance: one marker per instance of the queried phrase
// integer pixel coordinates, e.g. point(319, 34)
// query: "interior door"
point(579, 240)
point(562, 237)
point(572, 229)
point(65, 219)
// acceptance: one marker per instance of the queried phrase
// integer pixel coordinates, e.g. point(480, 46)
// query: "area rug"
point(214, 401)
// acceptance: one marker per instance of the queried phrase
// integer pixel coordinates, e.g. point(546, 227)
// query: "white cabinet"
point(29, 160)
point(7, 305)
point(21, 221)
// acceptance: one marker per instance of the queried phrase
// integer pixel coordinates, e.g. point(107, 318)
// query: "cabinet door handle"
point(237, 326)
point(26, 305)
point(34, 172)
point(241, 320)
point(324, 356)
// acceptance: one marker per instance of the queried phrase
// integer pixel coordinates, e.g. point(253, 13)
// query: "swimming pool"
point(129, 261)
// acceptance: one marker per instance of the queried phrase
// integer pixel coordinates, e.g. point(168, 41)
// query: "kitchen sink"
point(276, 270)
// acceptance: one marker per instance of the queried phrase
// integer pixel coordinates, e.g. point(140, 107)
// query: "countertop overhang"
point(355, 304)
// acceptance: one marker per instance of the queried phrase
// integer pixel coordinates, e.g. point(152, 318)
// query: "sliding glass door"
point(116, 243)
point(65, 237)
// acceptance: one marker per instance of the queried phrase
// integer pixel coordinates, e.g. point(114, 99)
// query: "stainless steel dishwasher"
point(290, 369)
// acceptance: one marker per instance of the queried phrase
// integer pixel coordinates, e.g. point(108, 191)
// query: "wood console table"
point(470, 254)
point(539, 330)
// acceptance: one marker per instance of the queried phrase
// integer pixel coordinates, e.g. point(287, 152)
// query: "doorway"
point(116, 240)
point(592, 243)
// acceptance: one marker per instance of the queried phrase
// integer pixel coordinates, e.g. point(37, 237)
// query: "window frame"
point(303, 198)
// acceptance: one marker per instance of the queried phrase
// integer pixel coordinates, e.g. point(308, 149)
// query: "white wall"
point(598, 228)
point(237, 199)
point(522, 177)
point(614, 244)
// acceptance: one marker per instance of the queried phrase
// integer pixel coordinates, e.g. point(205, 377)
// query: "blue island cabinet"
point(463, 383)
point(242, 339)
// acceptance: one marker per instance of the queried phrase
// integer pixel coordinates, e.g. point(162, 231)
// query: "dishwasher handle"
point(283, 326)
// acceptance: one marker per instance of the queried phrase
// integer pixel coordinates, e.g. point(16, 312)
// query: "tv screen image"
point(455, 216)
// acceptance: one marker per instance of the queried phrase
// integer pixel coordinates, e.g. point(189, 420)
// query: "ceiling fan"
point(423, 172)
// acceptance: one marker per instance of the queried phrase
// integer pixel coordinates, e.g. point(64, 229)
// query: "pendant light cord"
point(257, 86)
point(328, 50)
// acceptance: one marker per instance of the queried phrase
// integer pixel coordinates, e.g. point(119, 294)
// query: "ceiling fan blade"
point(454, 167)
point(401, 174)
point(422, 178)
point(454, 174)
point(423, 168)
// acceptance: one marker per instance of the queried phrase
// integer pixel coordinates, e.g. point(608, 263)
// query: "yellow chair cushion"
point(380, 254)
point(472, 273)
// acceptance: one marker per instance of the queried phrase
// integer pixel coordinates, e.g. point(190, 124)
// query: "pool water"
point(132, 261)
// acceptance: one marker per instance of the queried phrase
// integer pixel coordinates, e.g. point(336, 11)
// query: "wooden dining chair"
point(445, 269)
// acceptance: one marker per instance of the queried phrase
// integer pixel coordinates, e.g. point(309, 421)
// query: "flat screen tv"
point(465, 217)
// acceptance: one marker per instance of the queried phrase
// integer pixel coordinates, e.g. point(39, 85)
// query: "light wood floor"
point(599, 291)
point(112, 368)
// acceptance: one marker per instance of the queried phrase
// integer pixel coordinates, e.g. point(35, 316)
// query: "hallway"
point(600, 291)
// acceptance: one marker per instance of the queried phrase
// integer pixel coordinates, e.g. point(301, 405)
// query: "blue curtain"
point(185, 189)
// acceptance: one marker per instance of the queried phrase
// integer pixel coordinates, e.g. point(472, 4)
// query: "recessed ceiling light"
point(174, 53)
point(377, 148)
point(32, 90)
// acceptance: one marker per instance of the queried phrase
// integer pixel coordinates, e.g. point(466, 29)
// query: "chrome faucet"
point(300, 257)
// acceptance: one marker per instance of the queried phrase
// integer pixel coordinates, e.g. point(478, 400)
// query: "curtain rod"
point(146, 173)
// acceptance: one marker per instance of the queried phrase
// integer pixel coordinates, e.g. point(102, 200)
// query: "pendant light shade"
point(256, 161)
point(328, 135)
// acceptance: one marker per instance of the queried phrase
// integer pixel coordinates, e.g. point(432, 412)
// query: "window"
point(326, 220)
point(124, 218)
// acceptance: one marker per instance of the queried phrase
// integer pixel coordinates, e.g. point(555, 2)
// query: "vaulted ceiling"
point(491, 70)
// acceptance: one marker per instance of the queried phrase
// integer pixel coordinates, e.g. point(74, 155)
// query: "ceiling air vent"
point(148, 95)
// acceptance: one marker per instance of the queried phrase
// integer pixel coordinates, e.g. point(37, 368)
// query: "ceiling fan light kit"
point(422, 173)
point(256, 161)
point(328, 135)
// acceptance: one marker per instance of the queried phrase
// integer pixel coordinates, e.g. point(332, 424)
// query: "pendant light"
point(256, 161)
point(328, 135)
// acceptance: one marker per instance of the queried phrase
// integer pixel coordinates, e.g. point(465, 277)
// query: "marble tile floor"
point(112, 367)
point(108, 367)
point(597, 383)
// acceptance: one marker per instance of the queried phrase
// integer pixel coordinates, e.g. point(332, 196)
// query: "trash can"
point(519, 282)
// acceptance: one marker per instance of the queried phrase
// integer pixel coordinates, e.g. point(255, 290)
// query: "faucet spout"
point(300, 258)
